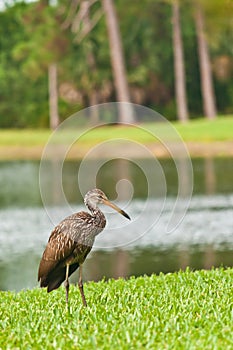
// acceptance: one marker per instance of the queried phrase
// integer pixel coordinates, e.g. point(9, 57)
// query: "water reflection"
point(19, 181)
point(21, 272)
point(204, 239)
point(210, 176)
point(150, 260)
point(19, 184)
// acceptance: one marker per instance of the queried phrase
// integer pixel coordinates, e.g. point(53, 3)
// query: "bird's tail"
point(55, 278)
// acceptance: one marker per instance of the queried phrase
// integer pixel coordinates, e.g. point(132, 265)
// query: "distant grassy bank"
point(185, 310)
point(201, 136)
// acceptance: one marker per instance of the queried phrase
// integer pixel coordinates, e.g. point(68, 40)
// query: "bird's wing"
point(56, 252)
point(61, 245)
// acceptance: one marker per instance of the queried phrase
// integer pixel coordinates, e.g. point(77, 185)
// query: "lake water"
point(162, 236)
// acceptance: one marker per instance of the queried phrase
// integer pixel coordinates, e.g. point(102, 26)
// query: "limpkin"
point(71, 241)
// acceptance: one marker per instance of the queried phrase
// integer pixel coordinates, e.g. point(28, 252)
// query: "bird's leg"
point(80, 285)
point(67, 285)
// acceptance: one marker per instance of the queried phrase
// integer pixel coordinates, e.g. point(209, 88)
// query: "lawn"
point(197, 130)
point(184, 310)
point(202, 137)
point(203, 130)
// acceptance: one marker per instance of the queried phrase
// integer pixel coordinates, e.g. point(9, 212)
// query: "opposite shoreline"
point(77, 152)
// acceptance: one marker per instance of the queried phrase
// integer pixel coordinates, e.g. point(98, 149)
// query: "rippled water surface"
point(147, 244)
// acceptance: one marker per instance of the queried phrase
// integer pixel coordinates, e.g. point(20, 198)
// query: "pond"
point(201, 236)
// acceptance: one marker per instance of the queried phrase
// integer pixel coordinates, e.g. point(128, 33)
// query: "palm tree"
point(118, 64)
point(53, 96)
point(179, 70)
point(209, 104)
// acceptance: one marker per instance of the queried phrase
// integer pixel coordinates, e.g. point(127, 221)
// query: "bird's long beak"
point(115, 207)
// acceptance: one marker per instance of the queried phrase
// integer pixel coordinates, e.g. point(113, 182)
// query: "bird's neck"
point(97, 215)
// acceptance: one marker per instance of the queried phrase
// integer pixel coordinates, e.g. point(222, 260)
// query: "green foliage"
point(46, 42)
point(185, 310)
point(218, 17)
point(33, 36)
point(23, 102)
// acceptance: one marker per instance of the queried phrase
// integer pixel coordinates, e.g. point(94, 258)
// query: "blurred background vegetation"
point(64, 45)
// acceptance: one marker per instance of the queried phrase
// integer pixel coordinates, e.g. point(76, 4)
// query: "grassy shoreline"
point(184, 310)
point(202, 138)
point(195, 150)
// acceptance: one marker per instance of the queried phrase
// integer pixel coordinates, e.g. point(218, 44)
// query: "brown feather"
point(62, 250)
point(57, 276)
point(72, 240)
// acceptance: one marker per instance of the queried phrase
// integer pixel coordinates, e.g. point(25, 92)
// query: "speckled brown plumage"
point(71, 241)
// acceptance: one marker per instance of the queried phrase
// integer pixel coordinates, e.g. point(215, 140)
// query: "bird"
point(71, 241)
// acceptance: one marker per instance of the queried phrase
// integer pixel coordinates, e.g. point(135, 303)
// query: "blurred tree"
point(147, 45)
point(45, 47)
point(53, 96)
point(180, 81)
point(18, 95)
point(219, 33)
point(126, 114)
point(207, 87)
point(35, 36)
point(81, 22)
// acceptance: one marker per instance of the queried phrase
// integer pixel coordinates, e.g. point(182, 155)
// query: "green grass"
point(220, 129)
point(200, 130)
point(185, 310)
point(24, 137)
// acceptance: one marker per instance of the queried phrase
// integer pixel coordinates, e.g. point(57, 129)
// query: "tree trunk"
point(94, 111)
point(93, 94)
point(53, 96)
point(207, 88)
point(126, 114)
point(180, 88)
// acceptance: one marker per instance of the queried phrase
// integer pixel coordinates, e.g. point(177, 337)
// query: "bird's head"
point(96, 196)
